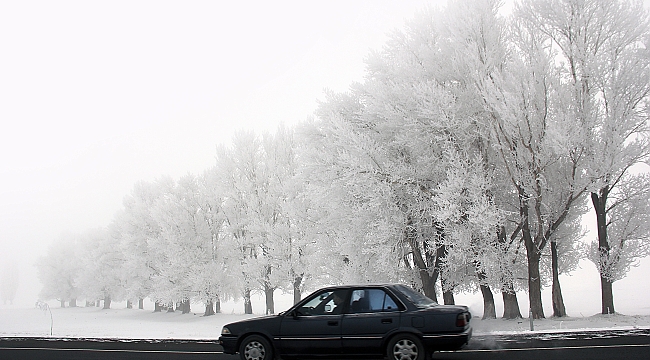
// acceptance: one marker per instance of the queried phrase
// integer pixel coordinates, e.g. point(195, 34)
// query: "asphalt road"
point(625, 344)
point(90, 349)
point(585, 345)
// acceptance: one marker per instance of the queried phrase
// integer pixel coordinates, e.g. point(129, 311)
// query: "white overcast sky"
point(97, 95)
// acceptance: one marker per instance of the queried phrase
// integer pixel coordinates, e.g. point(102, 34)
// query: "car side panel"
point(363, 334)
point(310, 335)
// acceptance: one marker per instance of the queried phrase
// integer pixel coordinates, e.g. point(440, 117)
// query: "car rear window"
point(417, 298)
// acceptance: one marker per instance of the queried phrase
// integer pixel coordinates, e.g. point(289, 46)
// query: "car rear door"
point(372, 314)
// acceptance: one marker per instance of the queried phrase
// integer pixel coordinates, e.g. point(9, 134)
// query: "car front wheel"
point(405, 347)
point(255, 347)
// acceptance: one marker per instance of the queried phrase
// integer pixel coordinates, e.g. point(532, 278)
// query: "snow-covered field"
point(92, 322)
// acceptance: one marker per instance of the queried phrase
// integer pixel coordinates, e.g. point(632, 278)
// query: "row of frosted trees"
point(465, 161)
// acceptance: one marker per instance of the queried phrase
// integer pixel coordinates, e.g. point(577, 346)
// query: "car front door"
point(372, 314)
point(315, 327)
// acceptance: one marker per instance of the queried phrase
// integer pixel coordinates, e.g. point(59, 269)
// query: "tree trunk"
point(270, 305)
point(448, 297)
point(62, 302)
point(73, 303)
point(217, 305)
point(157, 307)
point(98, 303)
point(297, 281)
point(429, 285)
point(129, 304)
point(534, 280)
point(185, 306)
point(248, 306)
point(558, 302)
point(599, 200)
point(535, 286)
point(428, 279)
point(141, 304)
point(533, 254)
point(170, 307)
point(607, 296)
point(510, 302)
point(510, 305)
point(489, 309)
point(107, 302)
point(209, 308)
point(447, 292)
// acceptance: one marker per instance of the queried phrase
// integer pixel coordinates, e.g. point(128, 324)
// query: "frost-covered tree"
point(390, 145)
point(255, 177)
point(463, 203)
point(304, 256)
point(102, 263)
point(474, 42)
point(292, 206)
point(352, 222)
point(186, 242)
point(139, 234)
point(170, 233)
point(344, 235)
point(625, 235)
point(530, 122)
point(231, 178)
point(137, 228)
point(213, 283)
point(60, 268)
point(603, 49)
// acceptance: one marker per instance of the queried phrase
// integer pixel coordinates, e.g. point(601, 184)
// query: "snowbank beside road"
point(595, 322)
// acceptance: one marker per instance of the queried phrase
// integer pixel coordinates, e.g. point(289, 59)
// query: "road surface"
point(594, 345)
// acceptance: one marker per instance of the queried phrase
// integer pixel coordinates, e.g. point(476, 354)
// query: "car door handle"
point(386, 321)
point(333, 323)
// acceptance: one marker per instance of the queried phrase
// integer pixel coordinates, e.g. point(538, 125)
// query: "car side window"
point(371, 300)
point(325, 303)
point(389, 304)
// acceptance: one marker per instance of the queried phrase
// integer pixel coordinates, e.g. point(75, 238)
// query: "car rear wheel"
point(405, 347)
point(255, 347)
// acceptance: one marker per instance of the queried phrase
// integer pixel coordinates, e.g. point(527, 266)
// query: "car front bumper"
point(229, 344)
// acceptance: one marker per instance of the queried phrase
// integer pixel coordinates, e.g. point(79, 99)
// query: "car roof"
point(349, 286)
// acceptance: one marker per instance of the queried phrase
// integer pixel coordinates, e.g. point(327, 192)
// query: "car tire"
point(255, 347)
point(405, 347)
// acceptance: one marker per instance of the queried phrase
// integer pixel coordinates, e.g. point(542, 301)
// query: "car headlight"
point(225, 331)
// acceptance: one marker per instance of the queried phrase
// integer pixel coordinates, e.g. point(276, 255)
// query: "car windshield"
point(418, 299)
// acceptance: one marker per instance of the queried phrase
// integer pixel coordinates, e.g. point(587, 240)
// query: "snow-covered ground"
point(581, 294)
point(92, 322)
